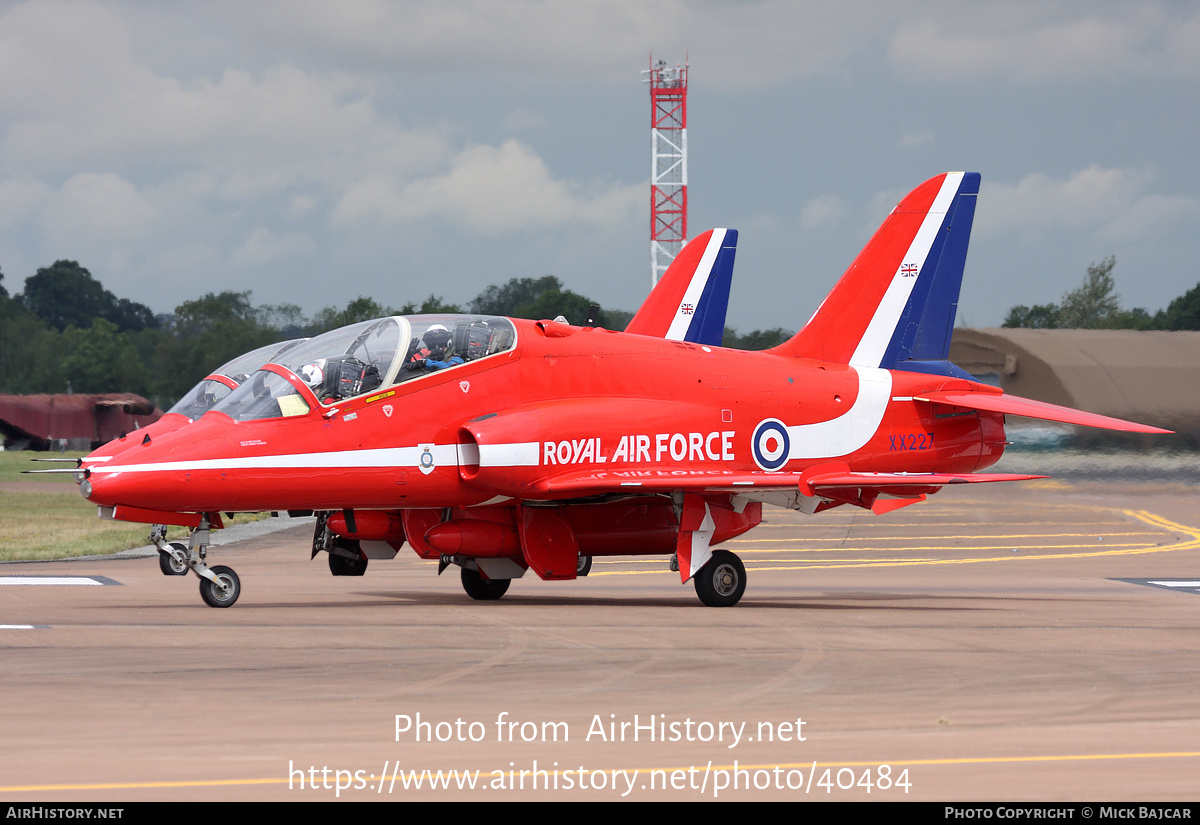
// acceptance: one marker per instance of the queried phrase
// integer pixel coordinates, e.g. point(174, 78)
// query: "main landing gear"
point(481, 589)
point(219, 586)
point(345, 555)
point(722, 581)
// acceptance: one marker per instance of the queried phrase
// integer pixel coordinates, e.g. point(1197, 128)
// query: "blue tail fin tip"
point(708, 318)
point(927, 322)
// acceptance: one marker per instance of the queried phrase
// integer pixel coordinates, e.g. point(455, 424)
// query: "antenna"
point(668, 163)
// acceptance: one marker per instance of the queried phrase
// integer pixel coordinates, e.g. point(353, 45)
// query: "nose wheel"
point(173, 560)
point(219, 586)
point(223, 589)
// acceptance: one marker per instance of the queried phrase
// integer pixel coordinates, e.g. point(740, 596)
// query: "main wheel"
point(224, 591)
point(340, 565)
point(583, 566)
point(481, 589)
point(171, 566)
point(722, 581)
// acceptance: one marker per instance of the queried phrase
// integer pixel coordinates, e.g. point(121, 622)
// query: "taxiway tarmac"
point(987, 644)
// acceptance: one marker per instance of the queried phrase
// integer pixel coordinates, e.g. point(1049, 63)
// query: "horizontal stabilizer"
point(1014, 405)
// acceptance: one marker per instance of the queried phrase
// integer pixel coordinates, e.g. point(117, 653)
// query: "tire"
point(481, 589)
point(583, 566)
point(223, 594)
point(340, 565)
point(169, 565)
point(722, 581)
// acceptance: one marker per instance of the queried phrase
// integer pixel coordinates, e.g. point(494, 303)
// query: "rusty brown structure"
point(1152, 377)
point(76, 422)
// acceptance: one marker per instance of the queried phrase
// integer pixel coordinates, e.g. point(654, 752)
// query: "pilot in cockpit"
point(436, 351)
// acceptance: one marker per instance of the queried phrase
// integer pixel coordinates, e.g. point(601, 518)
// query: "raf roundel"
point(771, 444)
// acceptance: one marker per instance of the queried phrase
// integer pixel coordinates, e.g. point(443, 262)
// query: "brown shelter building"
point(1148, 377)
point(76, 422)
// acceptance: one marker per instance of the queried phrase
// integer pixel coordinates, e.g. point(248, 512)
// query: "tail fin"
point(896, 302)
point(690, 301)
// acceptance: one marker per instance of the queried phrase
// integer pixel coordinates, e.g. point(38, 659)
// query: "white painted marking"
point(701, 552)
point(695, 289)
point(20, 626)
point(495, 455)
point(850, 430)
point(523, 454)
point(1176, 584)
point(36, 580)
point(878, 335)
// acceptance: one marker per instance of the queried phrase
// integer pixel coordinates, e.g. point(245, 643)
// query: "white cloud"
point(740, 45)
point(265, 247)
point(521, 120)
point(916, 139)
point(822, 212)
point(492, 190)
point(1112, 204)
point(1037, 41)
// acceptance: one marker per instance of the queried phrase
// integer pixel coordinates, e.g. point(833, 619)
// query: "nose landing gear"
point(219, 586)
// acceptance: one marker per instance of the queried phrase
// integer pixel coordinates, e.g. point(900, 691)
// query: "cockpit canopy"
point(365, 357)
point(221, 381)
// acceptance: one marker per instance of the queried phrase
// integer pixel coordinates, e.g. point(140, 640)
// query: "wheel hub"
point(725, 580)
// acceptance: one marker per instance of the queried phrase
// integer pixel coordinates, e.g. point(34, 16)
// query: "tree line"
point(1095, 305)
point(66, 333)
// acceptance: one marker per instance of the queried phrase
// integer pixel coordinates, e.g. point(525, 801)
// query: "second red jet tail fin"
point(690, 300)
point(898, 299)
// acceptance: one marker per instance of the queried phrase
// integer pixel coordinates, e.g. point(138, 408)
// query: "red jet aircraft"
point(502, 445)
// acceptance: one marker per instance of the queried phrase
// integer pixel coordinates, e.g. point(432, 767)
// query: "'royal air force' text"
point(634, 449)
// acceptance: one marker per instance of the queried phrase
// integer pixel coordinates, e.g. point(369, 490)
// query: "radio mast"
point(668, 163)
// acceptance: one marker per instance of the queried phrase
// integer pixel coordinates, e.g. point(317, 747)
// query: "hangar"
point(1147, 376)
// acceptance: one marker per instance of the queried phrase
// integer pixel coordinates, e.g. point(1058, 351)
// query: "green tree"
point(430, 306)
point(66, 295)
point(203, 334)
point(101, 360)
point(758, 339)
point(1093, 305)
point(360, 309)
point(503, 299)
point(29, 353)
point(537, 298)
point(1181, 313)
point(1039, 316)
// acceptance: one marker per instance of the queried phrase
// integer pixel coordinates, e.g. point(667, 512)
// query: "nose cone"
point(168, 423)
point(171, 471)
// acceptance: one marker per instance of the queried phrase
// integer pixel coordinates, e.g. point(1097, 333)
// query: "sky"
point(313, 152)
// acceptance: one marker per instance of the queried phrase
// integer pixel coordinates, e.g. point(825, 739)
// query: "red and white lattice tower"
point(668, 165)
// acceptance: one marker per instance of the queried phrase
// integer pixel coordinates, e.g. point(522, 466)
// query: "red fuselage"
point(564, 403)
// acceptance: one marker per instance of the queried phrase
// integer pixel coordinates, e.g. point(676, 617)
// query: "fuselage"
point(562, 401)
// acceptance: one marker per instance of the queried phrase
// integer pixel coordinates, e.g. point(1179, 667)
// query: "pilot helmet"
point(437, 337)
point(312, 374)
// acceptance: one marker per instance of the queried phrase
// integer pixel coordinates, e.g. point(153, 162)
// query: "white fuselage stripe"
point(491, 455)
point(850, 430)
point(523, 454)
point(878, 335)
